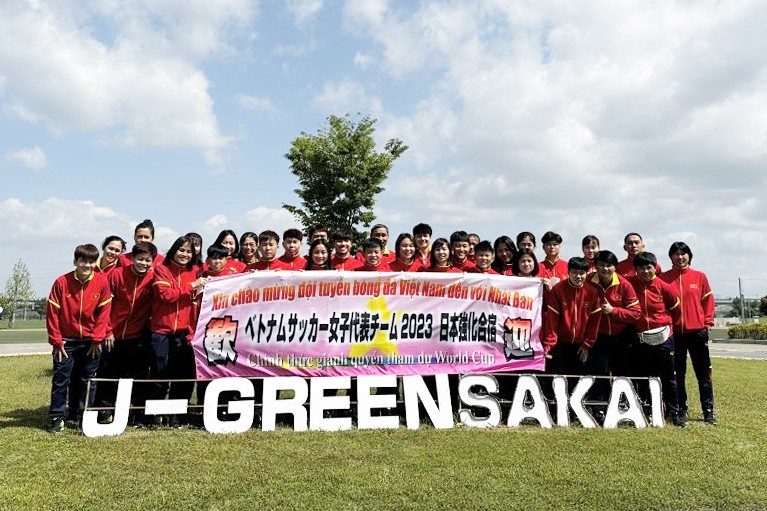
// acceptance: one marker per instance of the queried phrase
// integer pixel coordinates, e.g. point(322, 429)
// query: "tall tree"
point(340, 173)
point(18, 291)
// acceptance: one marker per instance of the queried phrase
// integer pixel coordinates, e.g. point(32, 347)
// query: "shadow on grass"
point(25, 418)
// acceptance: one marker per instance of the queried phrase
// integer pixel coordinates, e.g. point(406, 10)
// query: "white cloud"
point(362, 60)
point(347, 96)
point(31, 157)
point(258, 104)
point(303, 10)
point(598, 118)
point(141, 89)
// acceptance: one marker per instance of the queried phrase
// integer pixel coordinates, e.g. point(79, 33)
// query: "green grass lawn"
point(700, 467)
point(23, 324)
point(17, 336)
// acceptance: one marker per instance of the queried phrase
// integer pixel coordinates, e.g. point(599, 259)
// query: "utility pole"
point(742, 302)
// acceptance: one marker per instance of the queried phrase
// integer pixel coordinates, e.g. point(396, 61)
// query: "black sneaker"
point(678, 419)
point(56, 425)
point(709, 418)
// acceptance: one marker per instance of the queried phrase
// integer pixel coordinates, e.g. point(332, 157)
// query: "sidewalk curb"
point(762, 342)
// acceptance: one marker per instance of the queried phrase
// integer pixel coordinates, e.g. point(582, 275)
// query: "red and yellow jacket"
point(172, 298)
point(696, 300)
point(573, 315)
point(131, 302)
point(658, 301)
point(78, 310)
point(621, 295)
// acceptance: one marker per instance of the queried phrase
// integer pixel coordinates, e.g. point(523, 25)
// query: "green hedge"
point(750, 331)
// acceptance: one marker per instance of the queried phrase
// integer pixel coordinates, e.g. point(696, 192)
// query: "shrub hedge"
point(750, 331)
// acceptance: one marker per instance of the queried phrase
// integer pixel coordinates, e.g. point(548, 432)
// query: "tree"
point(751, 308)
point(763, 306)
point(18, 291)
point(339, 174)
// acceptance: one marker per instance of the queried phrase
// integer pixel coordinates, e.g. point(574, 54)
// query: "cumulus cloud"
point(591, 118)
point(143, 88)
point(303, 10)
point(31, 157)
point(347, 96)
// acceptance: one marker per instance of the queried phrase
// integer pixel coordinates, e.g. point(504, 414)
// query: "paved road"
point(723, 349)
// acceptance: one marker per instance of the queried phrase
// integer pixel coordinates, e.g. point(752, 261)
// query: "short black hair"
point(371, 243)
point(551, 236)
point(268, 235)
point(626, 237)
point(577, 263)
point(88, 252)
point(144, 249)
point(680, 246)
point(606, 257)
point(459, 237)
point(218, 252)
point(293, 233)
point(645, 258)
point(342, 236)
point(483, 246)
point(422, 229)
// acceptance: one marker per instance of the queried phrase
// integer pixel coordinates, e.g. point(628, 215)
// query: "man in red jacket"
point(126, 352)
point(654, 354)
point(77, 321)
point(572, 316)
point(632, 244)
point(691, 328)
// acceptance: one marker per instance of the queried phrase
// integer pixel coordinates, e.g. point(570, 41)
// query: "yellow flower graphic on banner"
point(381, 340)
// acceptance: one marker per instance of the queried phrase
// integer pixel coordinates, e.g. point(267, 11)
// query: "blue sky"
point(596, 118)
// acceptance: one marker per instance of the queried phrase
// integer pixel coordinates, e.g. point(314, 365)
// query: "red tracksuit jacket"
point(442, 269)
point(350, 263)
point(398, 265)
point(131, 302)
point(573, 315)
point(294, 263)
point(658, 301)
point(274, 264)
point(696, 300)
point(621, 295)
point(381, 267)
point(78, 310)
point(172, 298)
point(626, 269)
point(465, 266)
point(547, 269)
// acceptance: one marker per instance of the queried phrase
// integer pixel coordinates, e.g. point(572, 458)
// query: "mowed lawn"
point(700, 467)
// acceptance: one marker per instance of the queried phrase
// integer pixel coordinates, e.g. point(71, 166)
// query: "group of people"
point(133, 314)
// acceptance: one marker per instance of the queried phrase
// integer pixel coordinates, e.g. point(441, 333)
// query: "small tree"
point(18, 291)
point(750, 307)
point(340, 173)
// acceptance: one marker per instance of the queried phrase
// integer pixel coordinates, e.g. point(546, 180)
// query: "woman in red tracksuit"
point(691, 328)
point(174, 286)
